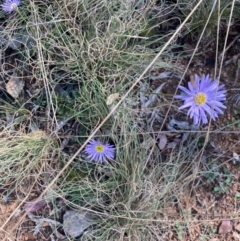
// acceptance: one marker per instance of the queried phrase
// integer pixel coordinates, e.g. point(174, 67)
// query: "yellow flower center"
point(200, 98)
point(99, 148)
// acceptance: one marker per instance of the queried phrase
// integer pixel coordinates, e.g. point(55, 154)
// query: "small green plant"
point(179, 229)
point(208, 232)
point(220, 178)
point(201, 141)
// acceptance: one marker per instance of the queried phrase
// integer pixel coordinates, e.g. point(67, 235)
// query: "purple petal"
point(195, 119)
point(203, 116)
point(184, 90)
point(191, 88)
point(185, 105)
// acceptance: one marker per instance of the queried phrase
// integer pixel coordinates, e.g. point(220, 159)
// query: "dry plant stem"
point(217, 39)
point(225, 43)
point(109, 115)
point(220, 130)
point(216, 218)
point(237, 72)
point(1, 62)
point(233, 59)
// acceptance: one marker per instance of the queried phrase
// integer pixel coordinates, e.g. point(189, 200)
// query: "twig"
point(237, 72)
point(39, 222)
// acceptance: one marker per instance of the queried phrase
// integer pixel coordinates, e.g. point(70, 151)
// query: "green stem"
point(20, 14)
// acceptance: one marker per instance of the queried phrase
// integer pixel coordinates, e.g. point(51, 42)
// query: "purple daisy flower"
point(205, 97)
point(10, 5)
point(99, 152)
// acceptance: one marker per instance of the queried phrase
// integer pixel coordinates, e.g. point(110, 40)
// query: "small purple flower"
point(10, 5)
point(99, 152)
point(205, 97)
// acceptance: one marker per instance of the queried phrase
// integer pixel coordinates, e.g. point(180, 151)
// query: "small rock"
point(74, 223)
point(225, 227)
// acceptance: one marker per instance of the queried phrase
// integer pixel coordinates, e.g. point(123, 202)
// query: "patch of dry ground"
point(19, 227)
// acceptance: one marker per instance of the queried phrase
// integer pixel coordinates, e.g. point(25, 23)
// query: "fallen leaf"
point(111, 98)
point(236, 236)
point(162, 141)
point(14, 86)
point(225, 227)
point(237, 227)
point(34, 205)
point(148, 143)
point(235, 156)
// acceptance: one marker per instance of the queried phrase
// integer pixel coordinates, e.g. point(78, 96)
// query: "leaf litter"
point(14, 86)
